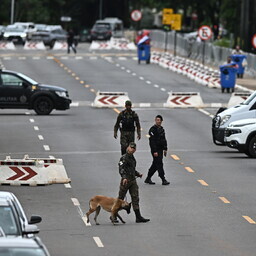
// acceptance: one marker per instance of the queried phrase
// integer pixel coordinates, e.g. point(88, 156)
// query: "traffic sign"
point(254, 40)
point(176, 21)
point(205, 32)
point(136, 15)
point(167, 12)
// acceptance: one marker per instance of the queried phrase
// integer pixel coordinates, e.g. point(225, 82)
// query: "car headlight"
point(61, 94)
point(225, 119)
point(229, 132)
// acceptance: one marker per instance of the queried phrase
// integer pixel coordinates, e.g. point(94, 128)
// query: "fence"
point(214, 55)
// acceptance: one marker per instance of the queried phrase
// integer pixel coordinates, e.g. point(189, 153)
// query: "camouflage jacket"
point(127, 167)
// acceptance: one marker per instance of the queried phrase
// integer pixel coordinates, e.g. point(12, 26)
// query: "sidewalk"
point(247, 82)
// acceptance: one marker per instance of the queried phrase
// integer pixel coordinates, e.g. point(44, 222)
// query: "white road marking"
point(122, 58)
point(40, 137)
point(118, 65)
point(36, 58)
point(122, 68)
point(84, 218)
point(205, 112)
point(78, 57)
point(75, 201)
point(31, 120)
point(148, 82)
point(36, 128)
point(98, 241)
point(49, 58)
point(156, 85)
point(67, 185)
point(46, 148)
point(141, 78)
point(22, 58)
point(74, 104)
point(134, 74)
point(163, 89)
point(93, 58)
point(128, 71)
point(64, 58)
point(7, 58)
point(27, 113)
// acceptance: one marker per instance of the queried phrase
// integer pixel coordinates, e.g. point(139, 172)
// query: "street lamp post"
point(12, 11)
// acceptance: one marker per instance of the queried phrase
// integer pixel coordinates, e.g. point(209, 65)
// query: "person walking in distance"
point(158, 146)
point(70, 41)
point(126, 122)
point(128, 172)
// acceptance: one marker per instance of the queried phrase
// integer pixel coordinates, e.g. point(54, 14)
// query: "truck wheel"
point(252, 148)
point(43, 105)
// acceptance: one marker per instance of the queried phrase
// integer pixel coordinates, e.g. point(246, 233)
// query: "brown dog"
point(109, 204)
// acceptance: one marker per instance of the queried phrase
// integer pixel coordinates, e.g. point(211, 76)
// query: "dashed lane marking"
point(175, 157)
point(36, 128)
point(98, 241)
point(141, 78)
point(40, 137)
point(67, 185)
point(203, 183)
point(31, 120)
point(46, 148)
point(156, 85)
point(148, 82)
point(224, 199)
point(116, 110)
point(250, 220)
point(191, 170)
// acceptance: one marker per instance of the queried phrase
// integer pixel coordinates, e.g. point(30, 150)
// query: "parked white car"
point(241, 135)
point(224, 117)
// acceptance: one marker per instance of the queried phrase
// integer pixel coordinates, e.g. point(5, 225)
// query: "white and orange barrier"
point(34, 45)
point(7, 45)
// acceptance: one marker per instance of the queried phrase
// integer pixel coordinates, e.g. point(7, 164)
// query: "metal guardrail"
point(214, 55)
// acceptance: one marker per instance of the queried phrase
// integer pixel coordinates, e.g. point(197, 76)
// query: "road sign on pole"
point(136, 15)
point(205, 32)
point(254, 40)
point(176, 21)
point(167, 12)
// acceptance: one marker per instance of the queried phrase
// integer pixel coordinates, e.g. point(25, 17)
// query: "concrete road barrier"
point(34, 45)
point(110, 99)
point(237, 98)
point(184, 100)
point(32, 171)
point(7, 45)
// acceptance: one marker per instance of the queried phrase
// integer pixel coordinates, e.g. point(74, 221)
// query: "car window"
point(7, 221)
point(21, 252)
point(11, 80)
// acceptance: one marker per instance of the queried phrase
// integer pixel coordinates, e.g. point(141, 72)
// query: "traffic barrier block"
point(96, 45)
point(32, 171)
point(60, 45)
point(110, 99)
point(7, 45)
point(184, 100)
point(237, 98)
point(34, 45)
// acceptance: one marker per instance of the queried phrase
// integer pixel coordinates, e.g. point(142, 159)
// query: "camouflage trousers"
point(133, 188)
point(125, 139)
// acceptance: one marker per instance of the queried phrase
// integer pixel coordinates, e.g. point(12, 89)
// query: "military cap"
point(132, 145)
point(128, 103)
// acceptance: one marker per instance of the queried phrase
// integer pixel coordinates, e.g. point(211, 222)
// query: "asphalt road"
point(208, 209)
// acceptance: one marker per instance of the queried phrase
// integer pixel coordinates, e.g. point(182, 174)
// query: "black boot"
point(139, 218)
point(165, 182)
point(149, 181)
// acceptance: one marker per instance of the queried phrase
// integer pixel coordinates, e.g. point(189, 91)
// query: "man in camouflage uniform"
point(127, 170)
point(125, 122)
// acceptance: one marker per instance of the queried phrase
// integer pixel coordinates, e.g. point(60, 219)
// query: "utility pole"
point(12, 11)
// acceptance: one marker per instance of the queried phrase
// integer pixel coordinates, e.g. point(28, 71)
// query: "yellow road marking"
point(77, 78)
point(202, 182)
point(116, 110)
point(73, 74)
point(147, 135)
point(81, 82)
point(92, 90)
point(175, 157)
point(87, 86)
point(189, 169)
point(224, 200)
point(250, 220)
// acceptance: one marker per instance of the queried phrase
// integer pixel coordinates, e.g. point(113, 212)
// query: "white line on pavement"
point(46, 148)
point(67, 185)
point(156, 85)
point(31, 120)
point(40, 137)
point(98, 241)
point(36, 128)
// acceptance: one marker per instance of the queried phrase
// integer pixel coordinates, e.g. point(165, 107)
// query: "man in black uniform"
point(158, 146)
point(127, 170)
point(125, 122)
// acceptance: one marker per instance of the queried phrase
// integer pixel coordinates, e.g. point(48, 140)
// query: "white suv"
point(241, 135)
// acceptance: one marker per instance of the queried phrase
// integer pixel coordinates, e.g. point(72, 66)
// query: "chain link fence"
point(214, 55)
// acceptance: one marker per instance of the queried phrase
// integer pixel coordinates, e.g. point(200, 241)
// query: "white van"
point(224, 117)
point(116, 26)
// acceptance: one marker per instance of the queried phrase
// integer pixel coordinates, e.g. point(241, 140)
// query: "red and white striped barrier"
point(60, 45)
point(34, 45)
point(110, 99)
point(7, 45)
point(184, 100)
point(237, 98)
point(32, 171)
point(98, 45)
